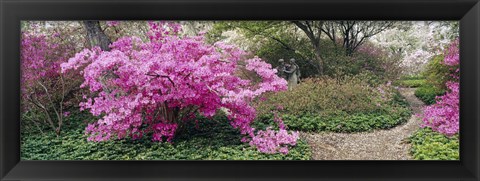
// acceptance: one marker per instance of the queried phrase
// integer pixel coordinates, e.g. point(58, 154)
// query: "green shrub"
point(412, 83)
point(437, 74)
point(427, 93)
point(213, 140)
point(338, 105)
point(384, 65)
point(430, 145)
point(325, 94)
point(412, 77)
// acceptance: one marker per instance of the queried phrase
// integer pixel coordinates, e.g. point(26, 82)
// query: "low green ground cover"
point(213, 140)
point(430, 145)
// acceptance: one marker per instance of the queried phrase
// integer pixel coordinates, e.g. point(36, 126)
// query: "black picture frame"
point(13, 11)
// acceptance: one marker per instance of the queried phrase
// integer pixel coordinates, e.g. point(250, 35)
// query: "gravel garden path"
point(376, 145)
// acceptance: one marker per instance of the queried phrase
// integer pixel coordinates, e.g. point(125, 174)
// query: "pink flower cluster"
point(452, 56)
point(444, 115)
point(271, 141)
point(40, 59)
point(164, 130)
point(113, 23)
point(43, 88)
point(155, 86)
point(159, 30)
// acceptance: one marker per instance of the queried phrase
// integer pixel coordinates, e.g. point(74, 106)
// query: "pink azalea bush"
point(43, 87)
point(40, 59)
point(156, 86)
point(452, 57)
point(443, 116)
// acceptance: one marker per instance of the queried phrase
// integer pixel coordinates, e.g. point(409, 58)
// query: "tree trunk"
point(96, 36)
point(319, 59)
point(314, 34)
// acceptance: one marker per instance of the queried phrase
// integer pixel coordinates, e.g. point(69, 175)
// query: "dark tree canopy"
point(353, 33)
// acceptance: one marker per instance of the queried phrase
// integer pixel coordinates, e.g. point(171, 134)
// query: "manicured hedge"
point(430, 145)
point(213, 140)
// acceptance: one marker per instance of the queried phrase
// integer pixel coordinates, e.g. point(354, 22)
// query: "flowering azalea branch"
point(163, 76)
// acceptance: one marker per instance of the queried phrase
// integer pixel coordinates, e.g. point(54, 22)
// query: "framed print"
point(239, 90)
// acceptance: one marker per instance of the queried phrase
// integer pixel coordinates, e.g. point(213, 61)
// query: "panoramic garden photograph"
point(239, 90)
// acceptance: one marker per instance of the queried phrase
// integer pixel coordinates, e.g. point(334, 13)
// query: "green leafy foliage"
point(359, 122)
point(413, 83)
point(337, 105)
point(427, 93)
point(209, 140)
point(274, 40)
point(430, 145)
point(412, 77)
point(437, 73)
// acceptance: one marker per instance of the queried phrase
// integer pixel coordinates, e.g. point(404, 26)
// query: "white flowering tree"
point(417, 42)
